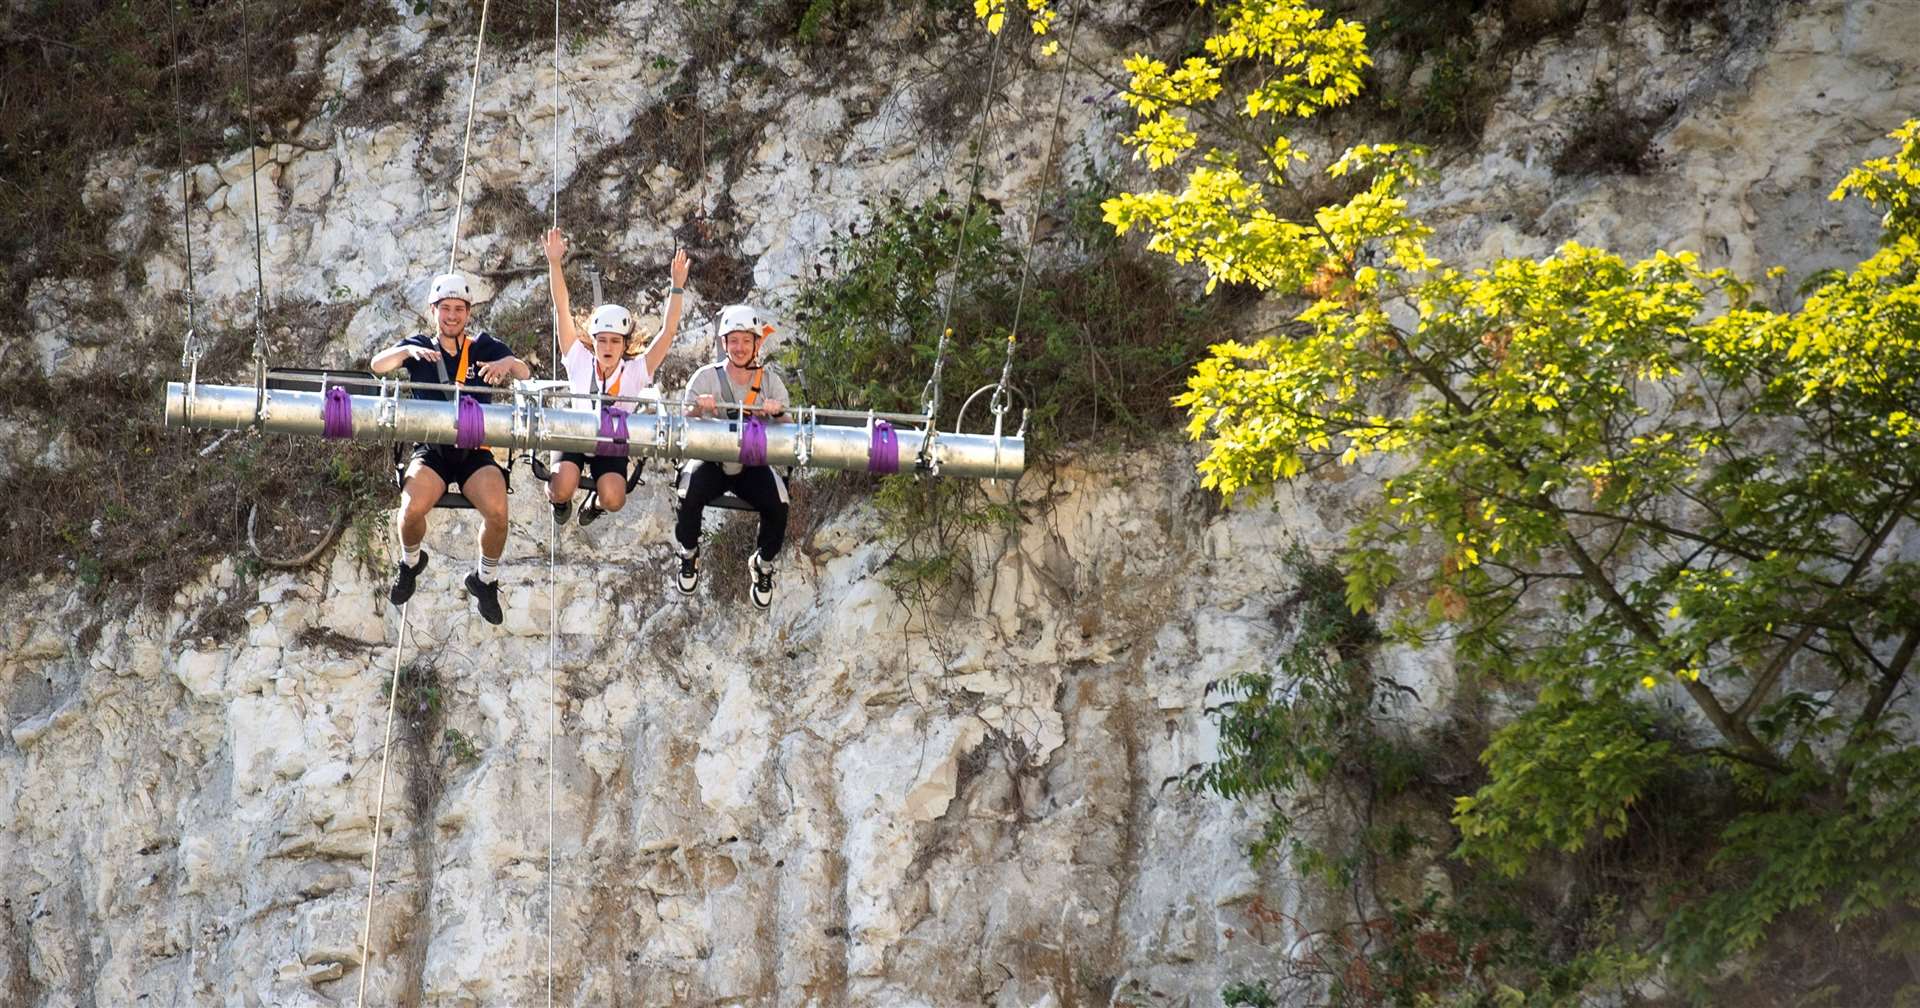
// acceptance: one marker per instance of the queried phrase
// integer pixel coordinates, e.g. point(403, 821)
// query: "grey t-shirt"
point(712, 380)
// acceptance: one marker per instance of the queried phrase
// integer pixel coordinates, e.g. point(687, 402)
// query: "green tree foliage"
point(1101, 332)
point(1665, 517)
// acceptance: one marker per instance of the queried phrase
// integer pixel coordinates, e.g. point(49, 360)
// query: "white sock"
point(489, 569)
point(410, 555)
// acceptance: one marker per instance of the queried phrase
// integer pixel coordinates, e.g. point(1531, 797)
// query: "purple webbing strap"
point(470, 425)
point(753, 442)
point(883, 454)
point(336, 415)
point(613, 432)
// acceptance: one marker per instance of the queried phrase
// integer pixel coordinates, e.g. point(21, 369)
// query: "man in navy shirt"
point(452, 355)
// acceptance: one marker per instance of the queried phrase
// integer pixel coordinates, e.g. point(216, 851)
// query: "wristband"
point(672, 290)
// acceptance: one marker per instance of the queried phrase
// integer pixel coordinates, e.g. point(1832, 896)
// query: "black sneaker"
point(590, 514)
point(487, 595)
point(403, 577)
point(562, 512)
point(761, 591)
point(689, 572)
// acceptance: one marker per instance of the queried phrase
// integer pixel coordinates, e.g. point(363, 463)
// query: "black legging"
point(757, 485)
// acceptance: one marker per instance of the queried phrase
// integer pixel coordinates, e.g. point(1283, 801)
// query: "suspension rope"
point(259, 260)
point(998, 403)
point(190, 350)
point(555, 198)
point(931, 395)
point(556, 122)
point(553, 532)
point(379, 806)
point(473, 92)
point(553, 632)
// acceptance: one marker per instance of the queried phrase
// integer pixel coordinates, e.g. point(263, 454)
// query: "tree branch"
point(1890, 677)
point(1764, 682)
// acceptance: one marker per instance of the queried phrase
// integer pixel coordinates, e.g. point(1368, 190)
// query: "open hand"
point(555, 246)
point(497, 372)
point(678, 271)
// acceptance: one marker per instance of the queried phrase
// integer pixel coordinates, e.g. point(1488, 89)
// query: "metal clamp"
point(998, 406)
point(261, 400)
point(929, 460)
point(193, 386)
point(660, 428)
point(682, 435)
point(386, 413)
point(803, 438)
point(520, 421)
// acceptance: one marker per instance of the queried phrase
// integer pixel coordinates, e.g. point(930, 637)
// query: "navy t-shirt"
point(482, 347)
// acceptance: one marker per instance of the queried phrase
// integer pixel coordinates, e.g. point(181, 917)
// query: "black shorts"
point(597, 466)
point(455, 465)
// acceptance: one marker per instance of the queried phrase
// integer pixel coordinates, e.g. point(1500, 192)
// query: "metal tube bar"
point(645, 396)
point(387, 418)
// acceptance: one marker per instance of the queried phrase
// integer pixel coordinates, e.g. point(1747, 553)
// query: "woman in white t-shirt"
point(605, 363)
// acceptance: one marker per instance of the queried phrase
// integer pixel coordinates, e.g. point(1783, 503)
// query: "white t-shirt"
point(629, 376)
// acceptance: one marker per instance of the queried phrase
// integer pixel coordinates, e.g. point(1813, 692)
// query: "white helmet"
point(741, 318)
point(611, 318)
point(449, 285)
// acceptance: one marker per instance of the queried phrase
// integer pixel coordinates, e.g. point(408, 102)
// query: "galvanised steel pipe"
point(524, 423)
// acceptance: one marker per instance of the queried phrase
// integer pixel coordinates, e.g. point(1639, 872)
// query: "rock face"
point(840, 801)
point(846, 800)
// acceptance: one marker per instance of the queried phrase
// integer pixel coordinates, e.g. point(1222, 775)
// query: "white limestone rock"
point(310, 178)
point(835, 803)
point(267, 742)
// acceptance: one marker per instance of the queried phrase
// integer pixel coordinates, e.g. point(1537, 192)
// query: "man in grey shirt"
point(742, 379)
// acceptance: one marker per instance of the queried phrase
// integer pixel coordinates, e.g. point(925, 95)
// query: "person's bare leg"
point(486, 490)
point(563, 483)
point(612, 488)
point(422, 490)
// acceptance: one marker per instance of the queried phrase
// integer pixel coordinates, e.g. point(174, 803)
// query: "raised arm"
point(670, 326)
point(556, 249)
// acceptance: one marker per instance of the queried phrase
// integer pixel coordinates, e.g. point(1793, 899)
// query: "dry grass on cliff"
point(118, 502)
point(82, 78)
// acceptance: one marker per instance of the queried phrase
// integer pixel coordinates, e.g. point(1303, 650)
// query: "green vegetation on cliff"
point(1658, 522)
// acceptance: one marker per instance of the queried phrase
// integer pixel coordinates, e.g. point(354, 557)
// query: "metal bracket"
point(193, 387)
point(929, 460)
point(803, 439)
point(681, 436)
point(386, 414)
point(660, 428)
point(520, 422)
